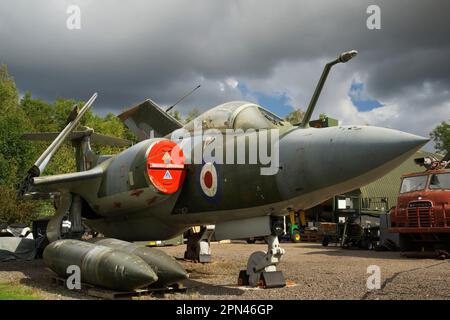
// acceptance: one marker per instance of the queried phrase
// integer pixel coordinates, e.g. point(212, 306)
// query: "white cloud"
point(232, 83)
point(162, 49)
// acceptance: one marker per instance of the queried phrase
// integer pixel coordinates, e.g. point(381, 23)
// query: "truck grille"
point(420, 214)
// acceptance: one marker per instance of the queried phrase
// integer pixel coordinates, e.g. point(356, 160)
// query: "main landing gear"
point(67, 222)
point(198, 247)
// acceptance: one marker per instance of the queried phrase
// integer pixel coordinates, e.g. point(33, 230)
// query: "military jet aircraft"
point(160, 187)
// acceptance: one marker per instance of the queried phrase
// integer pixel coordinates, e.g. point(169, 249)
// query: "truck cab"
point(422, 213)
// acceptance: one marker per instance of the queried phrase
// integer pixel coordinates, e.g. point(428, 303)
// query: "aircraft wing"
point(147, 117)
point(68, 182)
point(76, 135)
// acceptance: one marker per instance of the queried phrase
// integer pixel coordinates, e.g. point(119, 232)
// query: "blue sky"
point(360, 99)
point(278, 103)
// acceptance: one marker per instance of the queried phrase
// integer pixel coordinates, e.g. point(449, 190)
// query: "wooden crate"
point(311, 236)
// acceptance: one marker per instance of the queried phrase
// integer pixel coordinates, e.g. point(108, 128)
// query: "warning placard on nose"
point(165, 166)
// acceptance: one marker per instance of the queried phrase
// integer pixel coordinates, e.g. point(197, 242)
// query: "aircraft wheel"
point(253, 276)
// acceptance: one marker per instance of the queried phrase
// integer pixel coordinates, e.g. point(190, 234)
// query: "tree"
point(295, 116)
point(176, 114)
point(194, 113)
point(441, 137)
point(52, 117)
point(14, 211)
point(323, 116)
point(16, 154)
point(47, 116)
point(8, 92)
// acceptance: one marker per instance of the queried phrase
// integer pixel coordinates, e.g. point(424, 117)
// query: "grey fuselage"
point(314, 165)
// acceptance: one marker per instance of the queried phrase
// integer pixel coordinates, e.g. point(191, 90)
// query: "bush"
point(14, 211)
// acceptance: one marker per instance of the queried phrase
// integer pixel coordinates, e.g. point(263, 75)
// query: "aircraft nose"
point(367, 148)
point(340, 159)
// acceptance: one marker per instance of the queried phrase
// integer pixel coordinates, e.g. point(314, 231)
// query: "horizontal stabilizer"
point(148, 117)
point(78, 135)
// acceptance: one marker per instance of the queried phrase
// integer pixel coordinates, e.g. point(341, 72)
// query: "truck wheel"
point(295, 236)
point(251, 241)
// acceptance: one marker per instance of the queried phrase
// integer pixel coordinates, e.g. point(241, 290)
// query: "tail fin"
point(147, 119)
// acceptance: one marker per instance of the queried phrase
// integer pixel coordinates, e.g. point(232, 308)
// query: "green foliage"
point(295, 117)
point(50, 117)
point(11, 291)
point(13, 210)
point(322, 116)
point(8, 92)
point(194, 113)
point(18, 155)
point(53, 117)
point(176, 114)
point(109, 125)
point(15, 153)
point(441, 137)
point(44, 116)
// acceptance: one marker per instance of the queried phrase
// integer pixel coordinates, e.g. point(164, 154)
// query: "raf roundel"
point(208, 179)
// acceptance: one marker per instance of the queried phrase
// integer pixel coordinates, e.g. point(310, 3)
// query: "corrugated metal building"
point(375, 198)
point(389, 185)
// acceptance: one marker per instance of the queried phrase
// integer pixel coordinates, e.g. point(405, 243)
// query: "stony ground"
point(318, 273)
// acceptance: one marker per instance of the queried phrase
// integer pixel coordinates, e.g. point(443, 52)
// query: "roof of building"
point(389, 185)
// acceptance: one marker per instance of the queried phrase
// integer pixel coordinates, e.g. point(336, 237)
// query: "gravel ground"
point(317, 273)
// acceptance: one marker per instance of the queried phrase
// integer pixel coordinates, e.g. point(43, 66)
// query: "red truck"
point(422, 214)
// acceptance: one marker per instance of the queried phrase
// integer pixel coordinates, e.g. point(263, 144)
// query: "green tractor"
point(297, 223)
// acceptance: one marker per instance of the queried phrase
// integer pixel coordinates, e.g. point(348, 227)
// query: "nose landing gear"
point(261, 267)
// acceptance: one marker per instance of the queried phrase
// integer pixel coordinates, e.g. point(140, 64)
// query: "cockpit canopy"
point(236, 115)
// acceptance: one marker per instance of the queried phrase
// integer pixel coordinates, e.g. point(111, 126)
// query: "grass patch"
point(11, 291)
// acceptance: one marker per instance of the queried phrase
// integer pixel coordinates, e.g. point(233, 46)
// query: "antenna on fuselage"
point(182, 98)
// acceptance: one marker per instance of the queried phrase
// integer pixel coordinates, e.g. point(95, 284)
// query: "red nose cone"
point(165, 166)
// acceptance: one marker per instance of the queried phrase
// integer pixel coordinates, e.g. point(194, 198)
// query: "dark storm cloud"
point(161, 49)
